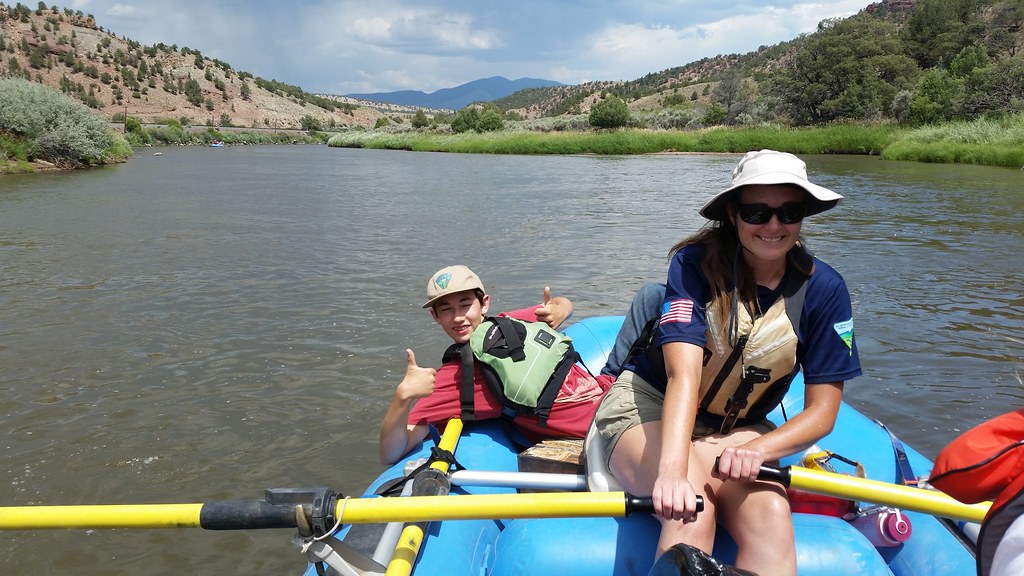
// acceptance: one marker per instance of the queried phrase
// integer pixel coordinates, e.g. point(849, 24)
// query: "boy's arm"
point(397, 436)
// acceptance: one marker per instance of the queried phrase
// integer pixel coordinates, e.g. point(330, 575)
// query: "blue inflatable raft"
point(826, 544)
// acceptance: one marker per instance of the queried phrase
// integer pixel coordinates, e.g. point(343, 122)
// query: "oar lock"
point(314, 508)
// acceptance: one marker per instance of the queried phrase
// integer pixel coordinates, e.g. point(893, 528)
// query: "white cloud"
point(121, 10)
point(355, 46)
point(411, 30)
point(625, 51)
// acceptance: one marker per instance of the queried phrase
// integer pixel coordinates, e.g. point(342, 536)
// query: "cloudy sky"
point(354, 46)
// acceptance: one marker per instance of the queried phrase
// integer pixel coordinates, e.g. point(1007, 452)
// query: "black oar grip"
point(646, 504)
point(245, 515)
point(767, 473)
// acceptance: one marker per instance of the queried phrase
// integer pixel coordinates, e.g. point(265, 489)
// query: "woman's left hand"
point(739, 463)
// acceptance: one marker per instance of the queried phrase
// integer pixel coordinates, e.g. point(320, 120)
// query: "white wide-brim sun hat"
point(771, 167)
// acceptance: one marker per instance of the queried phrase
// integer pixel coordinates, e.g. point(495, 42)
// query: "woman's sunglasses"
point(788, 213)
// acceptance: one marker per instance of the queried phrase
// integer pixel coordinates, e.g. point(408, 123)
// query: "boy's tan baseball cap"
point(449, 280)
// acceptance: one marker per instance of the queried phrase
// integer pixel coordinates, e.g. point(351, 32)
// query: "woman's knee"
point(760, 514)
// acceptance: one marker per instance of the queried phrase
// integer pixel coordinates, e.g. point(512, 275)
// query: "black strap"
point(547, 398)
point(640, 345)
point(795, 292)
point(466, 386)
point(512, 340)
point(738, 401)
point(395, 485)
point(727, 367)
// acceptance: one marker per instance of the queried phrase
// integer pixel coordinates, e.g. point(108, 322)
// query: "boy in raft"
point(425, 396)
point(987, 463)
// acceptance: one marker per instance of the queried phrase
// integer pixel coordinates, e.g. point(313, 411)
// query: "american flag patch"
point(676, 311)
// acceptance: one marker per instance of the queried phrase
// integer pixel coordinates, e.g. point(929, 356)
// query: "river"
point(200, 324)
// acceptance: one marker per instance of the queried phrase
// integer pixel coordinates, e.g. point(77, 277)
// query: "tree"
point(714, 115)
point(849, 69)
point(382, 122)
point(490, 121)
point(938, 96)
point(193, 92)
point(937, 28)
point(420, 120)
point(311, 124)
point(611, 112)
point(734, 94)
point(1008, 18)
point(37, 58)
point(968, 60)
point(246, 91)
point(466, 119)
point(997, 89)
point(133, 125)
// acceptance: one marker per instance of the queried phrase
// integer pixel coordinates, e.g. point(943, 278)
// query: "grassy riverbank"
point(987, 142)
point(174, 134)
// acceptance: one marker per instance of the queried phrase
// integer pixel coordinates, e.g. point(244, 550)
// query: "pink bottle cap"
point(897, 527)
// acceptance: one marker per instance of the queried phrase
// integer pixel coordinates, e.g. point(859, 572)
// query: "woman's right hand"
point(674, 498)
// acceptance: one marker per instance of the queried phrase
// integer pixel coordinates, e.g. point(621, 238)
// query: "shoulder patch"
point(845, 331)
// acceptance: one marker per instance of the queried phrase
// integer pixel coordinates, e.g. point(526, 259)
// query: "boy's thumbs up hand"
point(554, 311)
point(418, 381)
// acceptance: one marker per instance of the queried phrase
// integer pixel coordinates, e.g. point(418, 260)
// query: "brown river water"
point(206, 323)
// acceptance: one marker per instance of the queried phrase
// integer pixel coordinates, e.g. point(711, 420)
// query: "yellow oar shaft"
point(105, 516)
point(412, 536)
point(904, 497)
point(255, 514)
point(483, 506)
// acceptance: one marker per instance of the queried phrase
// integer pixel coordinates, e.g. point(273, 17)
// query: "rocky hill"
point(650, 91)
point(117, 76)
point(114, 75)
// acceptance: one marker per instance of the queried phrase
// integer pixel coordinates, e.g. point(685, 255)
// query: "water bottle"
point(883, 526)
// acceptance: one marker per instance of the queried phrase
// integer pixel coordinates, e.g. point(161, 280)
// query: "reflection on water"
point(206, 324)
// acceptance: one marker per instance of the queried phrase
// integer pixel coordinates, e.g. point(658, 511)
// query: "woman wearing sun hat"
point(746, 306)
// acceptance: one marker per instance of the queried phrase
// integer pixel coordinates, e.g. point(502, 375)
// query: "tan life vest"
point(760, 365)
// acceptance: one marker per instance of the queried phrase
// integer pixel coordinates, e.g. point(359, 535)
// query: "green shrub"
point(609, 113)
point(63, 130)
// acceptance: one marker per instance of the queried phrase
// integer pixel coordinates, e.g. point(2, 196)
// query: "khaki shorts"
point(632, 401)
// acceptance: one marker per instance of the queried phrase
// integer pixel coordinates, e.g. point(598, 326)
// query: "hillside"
point(114, 75)
point(913, 61)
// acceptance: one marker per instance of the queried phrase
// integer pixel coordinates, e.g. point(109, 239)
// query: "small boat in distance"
point(216, 144)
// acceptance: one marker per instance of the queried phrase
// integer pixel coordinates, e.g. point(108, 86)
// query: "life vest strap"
point(466, 400)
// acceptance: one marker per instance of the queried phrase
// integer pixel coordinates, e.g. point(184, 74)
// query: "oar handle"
point(766, 473)
point(646, 504)
point(772, 474)
point(931, 502)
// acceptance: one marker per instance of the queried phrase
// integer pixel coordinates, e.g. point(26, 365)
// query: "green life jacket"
point(523, 364)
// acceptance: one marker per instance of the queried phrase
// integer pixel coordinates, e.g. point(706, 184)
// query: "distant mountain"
point(483, 90)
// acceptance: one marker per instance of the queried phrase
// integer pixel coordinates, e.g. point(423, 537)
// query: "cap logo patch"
point(442, 280)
